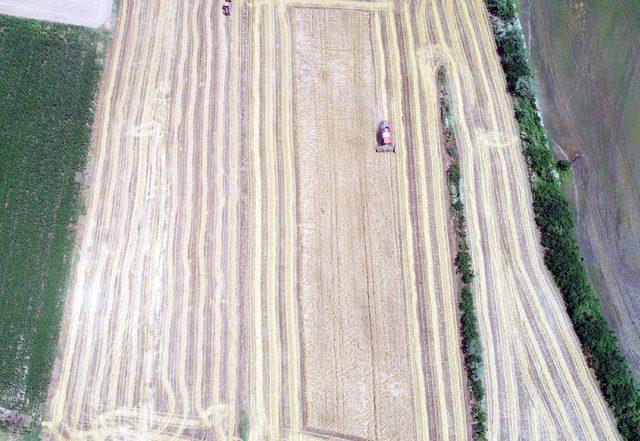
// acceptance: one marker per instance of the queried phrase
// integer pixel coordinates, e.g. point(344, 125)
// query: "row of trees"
point(471, 344)
point(556, 223)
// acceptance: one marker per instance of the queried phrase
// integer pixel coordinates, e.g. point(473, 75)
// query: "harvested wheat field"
point(150, 347)
point(250, 268)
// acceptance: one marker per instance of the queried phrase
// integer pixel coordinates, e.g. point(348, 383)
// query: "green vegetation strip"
point(48, 77)
point(556, 222)
point(471, 344)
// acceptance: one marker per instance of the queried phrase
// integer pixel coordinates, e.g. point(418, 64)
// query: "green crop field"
point(48, 78)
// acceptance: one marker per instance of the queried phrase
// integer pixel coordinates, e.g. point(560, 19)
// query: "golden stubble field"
point(248, 261)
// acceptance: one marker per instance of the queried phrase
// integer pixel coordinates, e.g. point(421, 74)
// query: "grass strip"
point(471, 343)
point(555, 220)
point(49, 74)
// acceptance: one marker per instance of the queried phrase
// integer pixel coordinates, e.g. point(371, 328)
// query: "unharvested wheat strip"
point(272, 225)
point(257, 416)
point(420, 402)
point(442, 421)
point(293, 343)
point(234, 199)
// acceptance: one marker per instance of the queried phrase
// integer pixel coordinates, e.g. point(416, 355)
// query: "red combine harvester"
point(226, 7)
point(385, 144)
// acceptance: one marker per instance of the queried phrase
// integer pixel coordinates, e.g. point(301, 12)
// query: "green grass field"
point(48, 78)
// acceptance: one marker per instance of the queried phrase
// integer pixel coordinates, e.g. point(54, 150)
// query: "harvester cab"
point(385, 143)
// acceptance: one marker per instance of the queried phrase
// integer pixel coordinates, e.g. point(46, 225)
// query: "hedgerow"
point(555, 220)
point(471, 344)
point(48, 76)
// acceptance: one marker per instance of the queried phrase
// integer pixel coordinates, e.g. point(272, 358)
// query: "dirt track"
point(90, 13)
point(352, 327)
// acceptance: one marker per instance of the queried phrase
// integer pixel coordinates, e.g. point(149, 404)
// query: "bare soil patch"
point(89, 13)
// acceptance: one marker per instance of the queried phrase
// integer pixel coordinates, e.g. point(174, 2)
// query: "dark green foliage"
point(513, 54)
point(471, 344)
point(563, 165)
point(480, 422)
point(503, 9)
point(48, 74)
point(454, 174)
point(534, 140)
point(556, 223)
point(244, 426)
point(463, 263)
